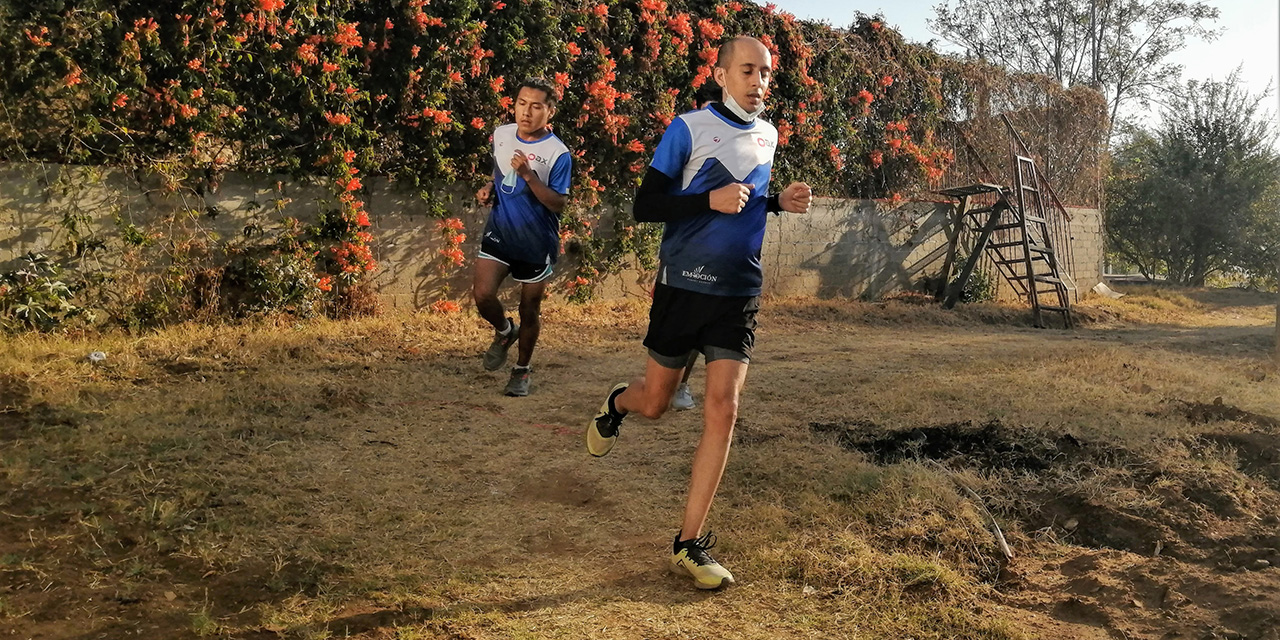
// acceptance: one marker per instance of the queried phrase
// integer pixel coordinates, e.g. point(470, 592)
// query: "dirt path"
point(367, 480)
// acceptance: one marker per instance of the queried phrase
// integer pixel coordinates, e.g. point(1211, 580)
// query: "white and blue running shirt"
point(520, 225)
point(713, 252)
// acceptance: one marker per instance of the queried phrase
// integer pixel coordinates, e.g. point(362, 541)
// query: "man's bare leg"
point(724, 383)
point(650, 394)
point(531, 295)
point(484, 290)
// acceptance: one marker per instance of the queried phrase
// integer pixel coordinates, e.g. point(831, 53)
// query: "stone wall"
point(846, 248)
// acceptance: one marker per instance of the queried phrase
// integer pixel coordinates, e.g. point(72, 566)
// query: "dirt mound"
point(1170, 540)
point(991, 445)
point(1201, 413)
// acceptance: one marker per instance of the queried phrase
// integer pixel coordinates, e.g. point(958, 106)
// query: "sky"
point(1250, 35)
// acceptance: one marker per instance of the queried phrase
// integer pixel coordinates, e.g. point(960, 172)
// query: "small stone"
point(170, 596)
point(808, 590)
point(1260, 564)
point(1070, 524)
point(97, 357)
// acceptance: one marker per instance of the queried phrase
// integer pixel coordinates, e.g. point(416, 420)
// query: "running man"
point(529, 189)
point(683, 400)
point(709, 183)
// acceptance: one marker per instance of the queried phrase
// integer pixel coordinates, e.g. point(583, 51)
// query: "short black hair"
point(710, 92)
point(725, 53)
point(542, 85)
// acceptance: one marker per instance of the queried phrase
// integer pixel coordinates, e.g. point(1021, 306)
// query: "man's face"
point(746, 76)
point(532, 110)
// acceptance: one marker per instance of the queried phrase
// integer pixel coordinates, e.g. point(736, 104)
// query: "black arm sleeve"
point(654, 202)
point(775, 203)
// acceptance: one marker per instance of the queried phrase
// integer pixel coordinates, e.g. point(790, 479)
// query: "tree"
point(1198, 194)
point(1119, 47)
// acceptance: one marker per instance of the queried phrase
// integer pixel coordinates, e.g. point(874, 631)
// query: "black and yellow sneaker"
point(602, 431)
point(690, 558)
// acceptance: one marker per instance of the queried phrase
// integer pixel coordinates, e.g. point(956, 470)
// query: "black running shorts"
point(525, 272)
point(681, 321)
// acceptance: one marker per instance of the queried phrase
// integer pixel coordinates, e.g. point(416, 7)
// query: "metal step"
point(1049, 307)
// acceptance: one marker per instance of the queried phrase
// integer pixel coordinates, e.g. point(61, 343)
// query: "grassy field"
point(366, 479)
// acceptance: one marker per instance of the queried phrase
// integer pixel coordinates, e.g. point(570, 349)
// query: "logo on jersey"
point(765, 142)
point(697, 274)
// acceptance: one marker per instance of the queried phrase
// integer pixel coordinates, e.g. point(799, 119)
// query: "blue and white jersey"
point(713, 252)
point(523, 227)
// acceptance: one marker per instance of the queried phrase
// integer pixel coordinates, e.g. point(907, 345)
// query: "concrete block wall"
point(842, 248)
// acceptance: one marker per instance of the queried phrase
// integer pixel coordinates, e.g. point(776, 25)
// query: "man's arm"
point(546, 195)
point(654, 202)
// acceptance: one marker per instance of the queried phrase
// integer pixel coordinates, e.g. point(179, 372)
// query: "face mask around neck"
point(746, 116)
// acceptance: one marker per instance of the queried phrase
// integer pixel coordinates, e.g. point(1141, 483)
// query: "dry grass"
point(367, 479)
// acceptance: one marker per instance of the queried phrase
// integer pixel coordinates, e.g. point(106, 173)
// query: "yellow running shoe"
point(690, 558)
point(602, 431)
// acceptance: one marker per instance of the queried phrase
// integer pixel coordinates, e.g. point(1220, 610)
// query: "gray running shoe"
point(518, 385)
point(496, 355)
point(683, 399)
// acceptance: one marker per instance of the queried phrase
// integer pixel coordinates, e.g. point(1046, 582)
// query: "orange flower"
point(120, 101)
point(877, 158)
point(337, 119)
point(325, 284)
point(886, 81)
point(72, 79)
point(328, 67)
point(573, 49)
point(636, 146)
point(866, 96)
point(307, 53)
point(445, 306)
point(497, 83)
point(499, 6)
point(194, 64)
point(477, 122)
point(270, 5)
point(876, 26)
point(362, 219)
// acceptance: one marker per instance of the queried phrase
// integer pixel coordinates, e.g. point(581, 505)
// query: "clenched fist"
point(731, 198)
point(485, 194)
point(796, 198)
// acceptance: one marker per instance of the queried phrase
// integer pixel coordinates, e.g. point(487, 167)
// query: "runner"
point(683, 400)
point(530, 186)
point(708, 182)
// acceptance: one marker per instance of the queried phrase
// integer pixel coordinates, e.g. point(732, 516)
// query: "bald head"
point(744, 68)
point(733, 46)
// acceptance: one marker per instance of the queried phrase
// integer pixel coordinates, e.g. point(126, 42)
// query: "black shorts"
point(681, 321)
point(526, 272)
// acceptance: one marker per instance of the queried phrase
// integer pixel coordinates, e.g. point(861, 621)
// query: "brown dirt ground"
point(366, 479)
